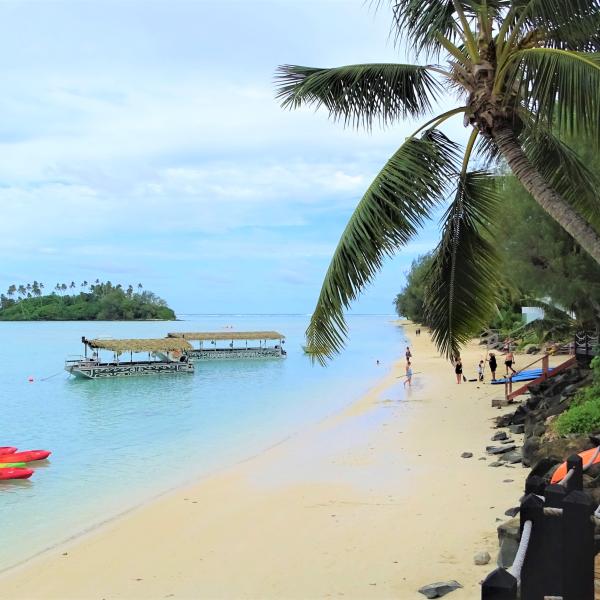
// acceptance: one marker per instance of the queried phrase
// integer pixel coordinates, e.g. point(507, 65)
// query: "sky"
point(141, 141)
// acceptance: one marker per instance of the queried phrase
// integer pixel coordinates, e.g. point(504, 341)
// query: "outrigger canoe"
point(29, 455)
point(7, 450)
point(15, 474)
point(586, 456)
point(18, 465)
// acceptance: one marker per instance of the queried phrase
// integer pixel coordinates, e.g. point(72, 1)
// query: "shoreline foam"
point(373, 501)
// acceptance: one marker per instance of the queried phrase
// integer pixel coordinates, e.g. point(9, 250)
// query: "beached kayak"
point(586, 456)
point(7, 450)
point(29, 455)
point(17, 465)
point(15, 474)
point(522, 376)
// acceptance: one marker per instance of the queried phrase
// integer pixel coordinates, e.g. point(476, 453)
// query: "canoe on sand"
point(7, 450)
point(29, 455)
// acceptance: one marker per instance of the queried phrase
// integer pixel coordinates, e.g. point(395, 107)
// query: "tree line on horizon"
point(89, 301)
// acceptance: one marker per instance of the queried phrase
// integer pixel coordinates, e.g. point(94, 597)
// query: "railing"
point(556, 553)
point(546, 373)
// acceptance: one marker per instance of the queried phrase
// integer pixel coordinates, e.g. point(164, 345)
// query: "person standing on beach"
point(493, 365)
point(458, 370)
point(408, 354)
point(480, 370)
point(409, 374)
point(509, 360)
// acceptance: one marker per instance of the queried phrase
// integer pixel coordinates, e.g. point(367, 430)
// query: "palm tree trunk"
point(552, 202)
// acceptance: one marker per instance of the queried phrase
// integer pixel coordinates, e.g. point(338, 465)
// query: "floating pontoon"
point(233, 344)
point(165, 356)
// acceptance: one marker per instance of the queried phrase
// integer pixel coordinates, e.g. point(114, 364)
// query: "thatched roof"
point(227, 335)
point(141, 345)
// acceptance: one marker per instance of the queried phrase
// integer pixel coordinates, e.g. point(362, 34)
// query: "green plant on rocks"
point(584, 414)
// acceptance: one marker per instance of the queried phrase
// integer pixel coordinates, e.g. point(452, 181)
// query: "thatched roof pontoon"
point(141, 345)
point(227, 335)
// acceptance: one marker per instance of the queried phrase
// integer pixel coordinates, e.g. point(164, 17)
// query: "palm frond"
point(560, 166)
point(394, 207)
point(566, 24)
point(359, 94)
point(421, 23)
point(487, 152)
point(462, 289)
point(560, 88)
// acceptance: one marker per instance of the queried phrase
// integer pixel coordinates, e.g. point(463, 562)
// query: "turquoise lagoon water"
point(116, 443)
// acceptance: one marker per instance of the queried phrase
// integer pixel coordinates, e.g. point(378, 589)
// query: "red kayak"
point(7, 450)
point(15, 473)
point(29, 455)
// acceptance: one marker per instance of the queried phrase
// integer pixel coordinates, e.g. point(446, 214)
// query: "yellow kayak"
point(17, 465)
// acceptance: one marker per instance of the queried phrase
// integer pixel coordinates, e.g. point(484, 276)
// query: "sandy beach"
point(373, 502)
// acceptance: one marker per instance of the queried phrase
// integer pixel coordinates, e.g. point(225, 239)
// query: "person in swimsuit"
point(408, 354)
point(480, 370)
point(493, 365)
point(458, 370)
point(509, 359)
point(409, 374)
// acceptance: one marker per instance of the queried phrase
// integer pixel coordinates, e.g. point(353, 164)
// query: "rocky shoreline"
point(541, 449)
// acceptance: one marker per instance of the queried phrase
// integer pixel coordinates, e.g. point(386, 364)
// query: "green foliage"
point(389, 214)
point(583, 416)
point(462, 291)
point(103, 302)
point(542, 260)
point(526, 70)
point(410, 302)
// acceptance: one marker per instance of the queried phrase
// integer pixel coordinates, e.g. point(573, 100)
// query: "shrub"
point(583, 416)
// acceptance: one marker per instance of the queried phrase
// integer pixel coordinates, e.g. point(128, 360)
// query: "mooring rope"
point(566, 478)
point(517, 566)
point(50, 376)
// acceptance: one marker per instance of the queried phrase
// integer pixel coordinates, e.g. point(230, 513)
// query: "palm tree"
point(12, 289)
point(526, 75)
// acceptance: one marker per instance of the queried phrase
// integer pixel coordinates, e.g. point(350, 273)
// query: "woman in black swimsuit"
point(493, 365)
point(458, 370)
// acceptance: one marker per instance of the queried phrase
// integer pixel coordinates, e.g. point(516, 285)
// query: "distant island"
point(98, 301)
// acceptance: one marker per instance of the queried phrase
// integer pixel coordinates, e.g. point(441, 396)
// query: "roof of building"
point(227, 335)
point(141, 345)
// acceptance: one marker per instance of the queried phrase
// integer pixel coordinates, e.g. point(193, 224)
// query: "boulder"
point(508, 537)
point(512, 457)
point(439, 589)
point(531, 349)
point(499, 449)
point(495, 464)
point(544, 468)
point(516, 429)
point(500, 435)
point(482, 558)
point(530, 450)
point(512, 512)
point(466, 455)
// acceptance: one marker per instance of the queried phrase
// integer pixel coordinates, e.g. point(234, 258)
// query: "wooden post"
point(552, 544)
point(534, 484)
point(545, 364)
point(534, 572)
point(575, 482)
point(578, 547)
point(499, 585)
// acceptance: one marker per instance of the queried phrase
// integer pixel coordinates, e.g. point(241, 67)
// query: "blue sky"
point(141, 141)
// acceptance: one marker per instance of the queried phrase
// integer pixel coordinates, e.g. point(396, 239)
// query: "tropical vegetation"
point(583, 416)
point(526, 76)
point(87, 301)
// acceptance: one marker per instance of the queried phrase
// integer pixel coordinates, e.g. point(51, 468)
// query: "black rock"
point(512, 512)
point(466, 455)
point(495, 464)
point(500, 435)
point(530, 449)
point(512, 457)
point(520, 428)
point(544, 468)
point(499, 449)
point(439, 589)
point(510, 441)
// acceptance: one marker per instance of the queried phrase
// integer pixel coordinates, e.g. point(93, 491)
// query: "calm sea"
point(116, 443)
